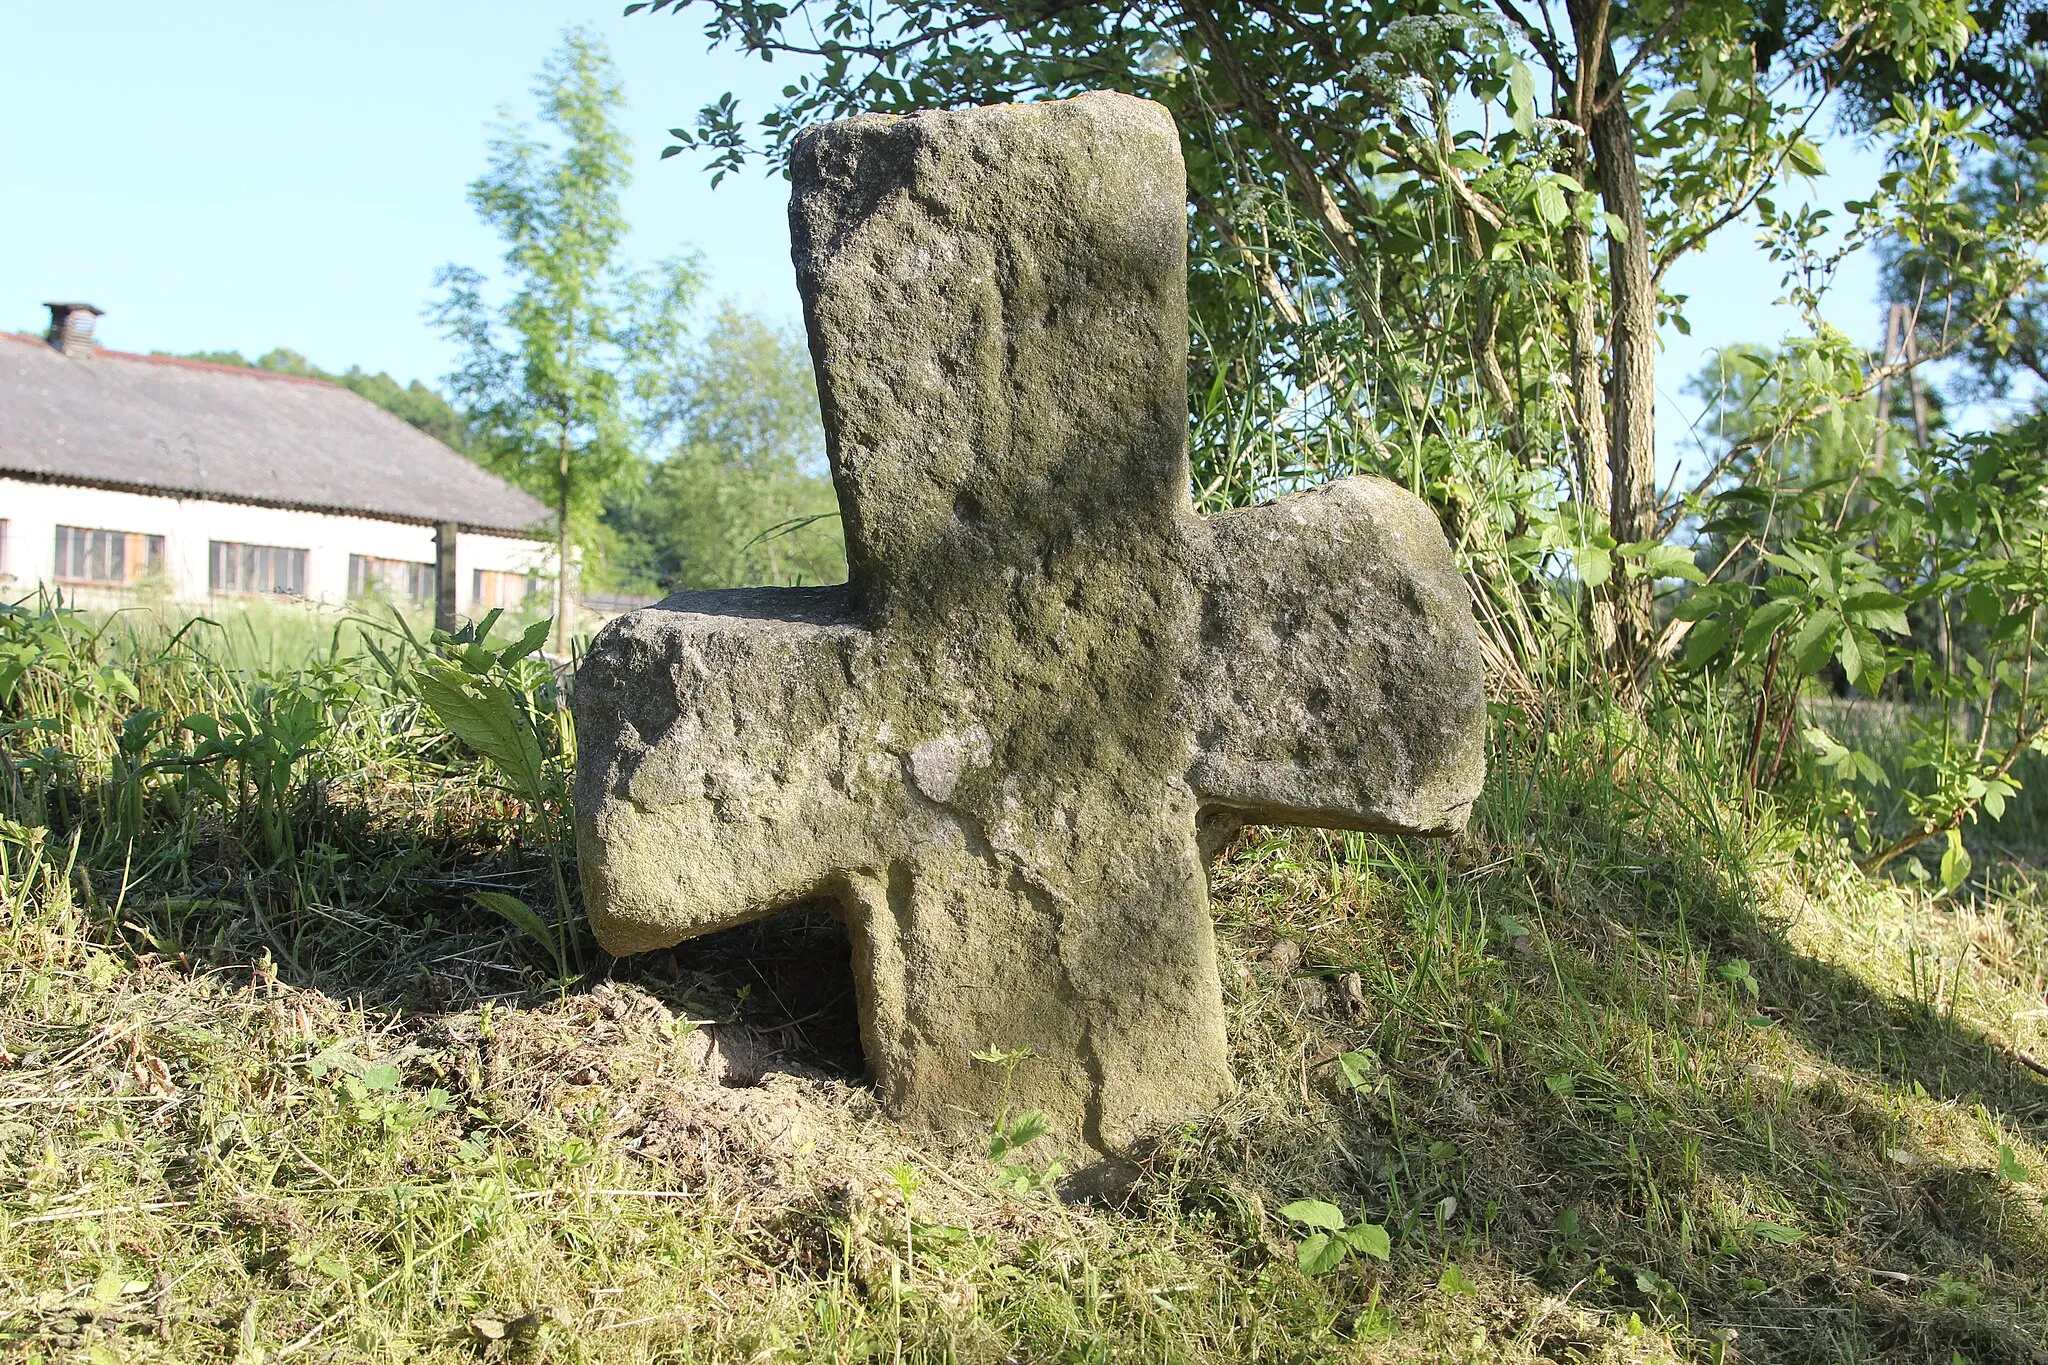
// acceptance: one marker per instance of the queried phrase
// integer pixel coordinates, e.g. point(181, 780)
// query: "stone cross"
point(992, 749)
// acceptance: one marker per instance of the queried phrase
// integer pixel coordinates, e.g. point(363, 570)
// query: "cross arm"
point(1338, 681)
point(722, 732)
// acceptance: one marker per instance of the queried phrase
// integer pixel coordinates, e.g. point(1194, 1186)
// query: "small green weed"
point(1334, 1240)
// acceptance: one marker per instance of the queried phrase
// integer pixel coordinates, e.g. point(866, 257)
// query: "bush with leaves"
point(1926, 589)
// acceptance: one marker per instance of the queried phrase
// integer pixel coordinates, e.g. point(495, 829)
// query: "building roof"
point(188, 428)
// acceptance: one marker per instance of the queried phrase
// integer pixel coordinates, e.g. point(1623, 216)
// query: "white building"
point(122, 472)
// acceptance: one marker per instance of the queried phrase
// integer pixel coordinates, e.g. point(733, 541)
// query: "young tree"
point(1970, 284)
point(741, 498)
point(563, 376)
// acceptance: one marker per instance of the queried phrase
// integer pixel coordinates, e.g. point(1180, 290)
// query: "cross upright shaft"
point(992, 747)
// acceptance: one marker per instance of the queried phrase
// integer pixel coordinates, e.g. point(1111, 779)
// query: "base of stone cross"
point(1003, 747)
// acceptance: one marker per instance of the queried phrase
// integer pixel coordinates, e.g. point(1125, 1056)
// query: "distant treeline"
point(414, 402)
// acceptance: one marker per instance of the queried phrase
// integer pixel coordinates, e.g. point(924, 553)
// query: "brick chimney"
point(71, 328)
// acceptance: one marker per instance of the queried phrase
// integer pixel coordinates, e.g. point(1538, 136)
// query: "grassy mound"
point(1633, 1073)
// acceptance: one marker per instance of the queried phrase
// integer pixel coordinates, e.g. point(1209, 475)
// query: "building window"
point(256, 569)
point(369, 576)
point(495, 588)
point(106, 557)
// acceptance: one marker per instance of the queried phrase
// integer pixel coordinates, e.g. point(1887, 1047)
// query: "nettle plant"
point(1921, 590)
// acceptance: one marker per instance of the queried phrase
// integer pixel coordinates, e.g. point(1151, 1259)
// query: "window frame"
point(480, 577)
point(247, 558)
point(372, 576)
point(105, 558)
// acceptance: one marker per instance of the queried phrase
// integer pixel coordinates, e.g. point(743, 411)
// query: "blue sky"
point(224, 175)
point(221, 175)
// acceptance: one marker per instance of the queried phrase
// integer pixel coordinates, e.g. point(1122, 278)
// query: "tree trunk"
point(1632, 341)
point(562, 546)
point(1589, 417)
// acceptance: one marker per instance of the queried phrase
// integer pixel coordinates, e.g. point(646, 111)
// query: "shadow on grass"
point(1590, 1049)
point(381, 911)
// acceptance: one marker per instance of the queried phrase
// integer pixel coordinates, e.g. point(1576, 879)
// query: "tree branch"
point(1878, 374)
point(1545, 48)
point(1644, 49)
point(1927, 829)
point(1443, 173)
point(1745, 197)
point(1343, 240)
point(1262, 270)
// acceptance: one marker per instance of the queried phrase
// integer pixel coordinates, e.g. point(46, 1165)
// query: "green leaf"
point(1028, 1127)
point(1550, 205)
point(1736, 972)
point(1320, 1253)
point(1705, 643)
point(1785, 586)
point(1522, 83)
point(1776, 1233)
point(1372, 1239)
point(1955, 862)
point(383, 1076)
point(1595, 564)
point(1357, 1068)
point(1765, 622)
point(1672, 561)
point(488, 718)
point(1829, 749)
point(536, 635)
point(1618, 230)
point(1849, 650)
point(1800, 568)
point(1876, 611)
point(521, 915)
point(1454, 1283)
point(1815, 640)
point(2009, 1167)
point(1314, 1213)
point(1718, 600)
point(1522, 97)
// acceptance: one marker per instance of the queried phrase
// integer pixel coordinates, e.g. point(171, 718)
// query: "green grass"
point(1640, 1074)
